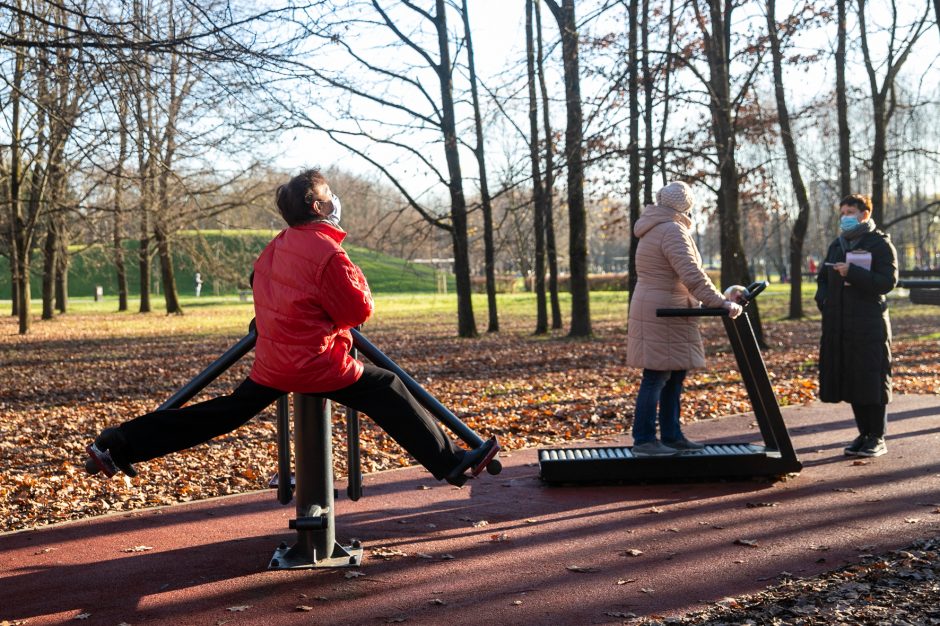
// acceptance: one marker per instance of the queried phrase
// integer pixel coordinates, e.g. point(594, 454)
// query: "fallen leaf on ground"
point(579, 569)
point(751, 543)
point(138, 549)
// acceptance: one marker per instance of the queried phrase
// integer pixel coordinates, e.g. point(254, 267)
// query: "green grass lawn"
point(229, 315)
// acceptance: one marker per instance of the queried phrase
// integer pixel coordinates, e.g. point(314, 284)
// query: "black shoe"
point(856, 445)
point(474, 460)
point(873, 446)
point(106, 454)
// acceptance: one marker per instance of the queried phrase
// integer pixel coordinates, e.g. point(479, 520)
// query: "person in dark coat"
point(860, 268)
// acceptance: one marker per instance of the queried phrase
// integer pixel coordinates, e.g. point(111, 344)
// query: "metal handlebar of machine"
point(429, 402)
point(316, 545)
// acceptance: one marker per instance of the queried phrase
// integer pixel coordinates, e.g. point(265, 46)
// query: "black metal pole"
point(313, 452)
point(353, 457)
point(426, 399)
point(918, 284)
point(285, 490)
point(216, 369)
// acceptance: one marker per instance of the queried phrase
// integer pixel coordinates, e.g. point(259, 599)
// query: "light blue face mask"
point(848, 222)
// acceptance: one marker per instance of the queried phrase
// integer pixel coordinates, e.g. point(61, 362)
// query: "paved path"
point(547, 555)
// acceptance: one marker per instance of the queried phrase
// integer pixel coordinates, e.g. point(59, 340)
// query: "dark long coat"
point(855, 348)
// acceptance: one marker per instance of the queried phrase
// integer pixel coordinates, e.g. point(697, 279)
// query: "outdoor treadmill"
point(730, 460)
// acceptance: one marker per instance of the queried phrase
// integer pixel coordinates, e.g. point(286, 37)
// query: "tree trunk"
point(489, 252)
point(466, 326)
point(49, 267)
point(117, 235)
point(648, 155)
point(551, 250)
point(666, 94)
point(574, 139)
point(62, 272)
point(143, 114)
point(798, 234)
point(20, 240)
point(167, 276)
point(633, 151)
point(842, 107)
point(541, 318)
point(143, 262)
point(879, 153)
point(734, 267)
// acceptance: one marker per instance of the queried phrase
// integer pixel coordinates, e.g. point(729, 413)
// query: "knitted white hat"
point(677, 196)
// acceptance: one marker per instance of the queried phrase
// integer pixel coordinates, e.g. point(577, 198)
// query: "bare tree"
point(538, 191)
point(633, 148)
point(382, 76)
point(798, 233)
point(564, 15)
point(551, 250)
point(842, 106)
point(489, 252)
point(883, 95)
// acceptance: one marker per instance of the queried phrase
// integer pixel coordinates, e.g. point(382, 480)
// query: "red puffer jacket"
point(307, 294)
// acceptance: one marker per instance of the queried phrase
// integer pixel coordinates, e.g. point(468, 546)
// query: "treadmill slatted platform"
point(718, 460)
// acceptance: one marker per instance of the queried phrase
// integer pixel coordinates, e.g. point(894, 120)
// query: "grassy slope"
point(90, 267)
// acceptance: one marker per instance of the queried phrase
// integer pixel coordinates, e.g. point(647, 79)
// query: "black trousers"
point(871, 419)
point(378, 393)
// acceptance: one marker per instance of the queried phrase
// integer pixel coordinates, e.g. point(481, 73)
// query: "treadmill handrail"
point(701, 312)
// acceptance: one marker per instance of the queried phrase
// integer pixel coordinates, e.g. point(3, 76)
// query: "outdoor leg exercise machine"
point(719, 460)
point(311, 485)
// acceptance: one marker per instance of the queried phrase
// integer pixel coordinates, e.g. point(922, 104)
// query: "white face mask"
point(334, 217)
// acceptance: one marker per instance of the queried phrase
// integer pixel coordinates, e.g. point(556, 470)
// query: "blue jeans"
point(662, 389)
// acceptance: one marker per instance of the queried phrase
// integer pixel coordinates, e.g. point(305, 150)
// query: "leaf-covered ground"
point(899, 587)
point(81, 372)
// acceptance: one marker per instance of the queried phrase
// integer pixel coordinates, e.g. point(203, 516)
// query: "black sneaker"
point(108, 445)
point(856, 445)
point(873, 446)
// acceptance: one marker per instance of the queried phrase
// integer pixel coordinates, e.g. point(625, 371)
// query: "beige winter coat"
point(669, 275)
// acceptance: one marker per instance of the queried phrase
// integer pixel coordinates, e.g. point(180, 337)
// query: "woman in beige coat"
point(669, 275)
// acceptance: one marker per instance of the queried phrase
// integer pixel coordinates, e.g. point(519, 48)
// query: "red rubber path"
point(545, 555)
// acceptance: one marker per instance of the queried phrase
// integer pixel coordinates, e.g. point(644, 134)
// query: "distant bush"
point(505, 283)
point(598, 282)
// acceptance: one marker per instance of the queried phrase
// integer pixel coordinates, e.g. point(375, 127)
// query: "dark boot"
point(474, 460)
point(108, 454)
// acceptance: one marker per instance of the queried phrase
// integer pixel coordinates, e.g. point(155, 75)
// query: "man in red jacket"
point(307, 295)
